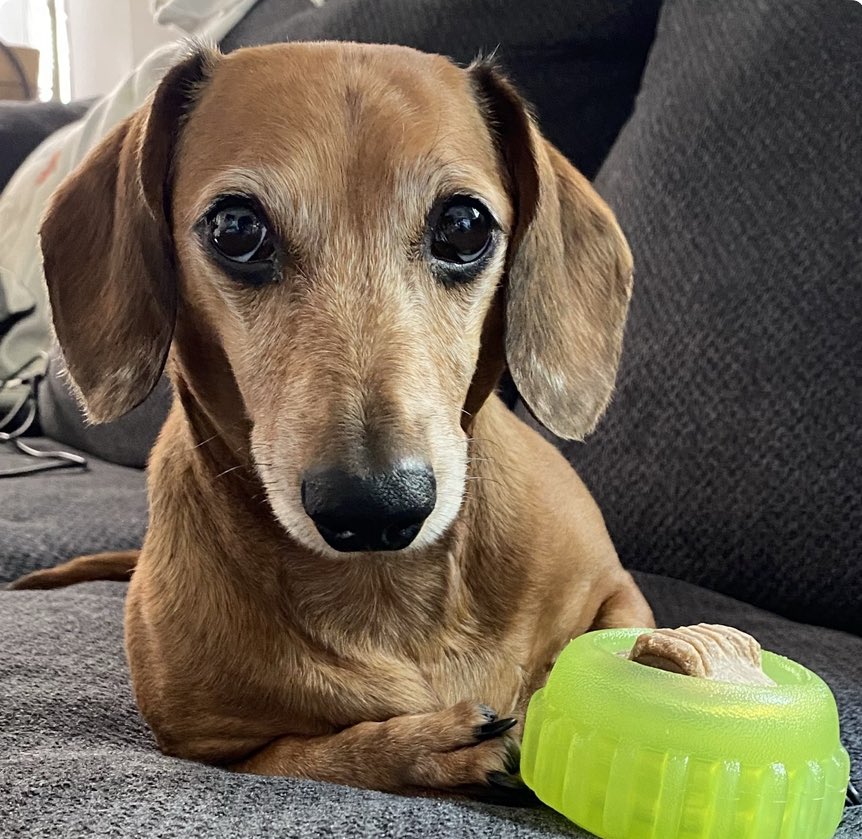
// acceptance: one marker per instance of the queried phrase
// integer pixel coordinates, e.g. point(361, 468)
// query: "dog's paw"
point(462, 746)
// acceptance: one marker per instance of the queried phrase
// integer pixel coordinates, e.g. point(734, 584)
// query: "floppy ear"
point(569, 273)
point(108, 254)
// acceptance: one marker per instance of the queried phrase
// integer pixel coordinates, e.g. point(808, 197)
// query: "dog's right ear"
point(108, 254)
point(569, 277)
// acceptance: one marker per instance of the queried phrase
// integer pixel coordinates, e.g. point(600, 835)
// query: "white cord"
point(61, 459)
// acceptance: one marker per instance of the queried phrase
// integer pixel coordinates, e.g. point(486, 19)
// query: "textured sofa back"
point(731, 454)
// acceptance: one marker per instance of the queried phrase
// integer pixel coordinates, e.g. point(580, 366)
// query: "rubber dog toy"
point(629, 751)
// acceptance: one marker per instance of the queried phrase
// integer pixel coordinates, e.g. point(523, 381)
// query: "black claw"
point(510, 791)
point(504, 779)
point(513, 758)
point(487, 712)
point(494, 728)
point(503, 795)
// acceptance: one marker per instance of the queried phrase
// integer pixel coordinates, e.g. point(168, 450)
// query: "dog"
point(359, 564)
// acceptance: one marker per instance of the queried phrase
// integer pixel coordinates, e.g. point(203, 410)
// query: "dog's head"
point(366, 235)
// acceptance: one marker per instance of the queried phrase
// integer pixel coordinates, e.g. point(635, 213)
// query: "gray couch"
point(728, 467)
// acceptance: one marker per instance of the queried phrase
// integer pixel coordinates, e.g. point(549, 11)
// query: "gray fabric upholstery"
point(732, 453)
point(77, 760)
point(49, 518)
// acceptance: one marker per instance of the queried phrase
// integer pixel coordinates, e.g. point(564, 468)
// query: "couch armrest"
point(23, 125)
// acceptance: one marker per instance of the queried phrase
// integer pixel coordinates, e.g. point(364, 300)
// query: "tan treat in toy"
point(708, 651)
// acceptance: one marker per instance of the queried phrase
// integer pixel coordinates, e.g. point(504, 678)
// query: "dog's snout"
point(377, 512)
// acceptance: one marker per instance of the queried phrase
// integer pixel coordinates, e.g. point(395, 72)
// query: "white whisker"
point(232, 468)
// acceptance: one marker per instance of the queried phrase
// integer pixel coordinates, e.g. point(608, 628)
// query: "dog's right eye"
point(238, 233)
point(239, 236)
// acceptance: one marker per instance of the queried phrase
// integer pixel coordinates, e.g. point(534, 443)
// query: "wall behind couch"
point(107, 39)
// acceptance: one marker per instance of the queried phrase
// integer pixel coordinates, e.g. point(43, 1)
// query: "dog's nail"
point(487, 712)
point(494, 728)
point(509, 791)
point(513, 758)
point(504, 780)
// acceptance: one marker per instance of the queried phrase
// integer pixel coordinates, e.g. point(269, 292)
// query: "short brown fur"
point(251, 643)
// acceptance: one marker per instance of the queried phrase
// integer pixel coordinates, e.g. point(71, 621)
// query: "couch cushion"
point(732, 453)
point(76, 758)
point(48, 518)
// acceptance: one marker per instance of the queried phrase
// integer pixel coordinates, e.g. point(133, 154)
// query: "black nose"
point(381, 512)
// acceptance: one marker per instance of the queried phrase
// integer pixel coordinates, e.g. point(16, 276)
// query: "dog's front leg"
point(462, 746)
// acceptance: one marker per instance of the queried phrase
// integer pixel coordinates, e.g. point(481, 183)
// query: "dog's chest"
point(397, 649)
point(271, 670)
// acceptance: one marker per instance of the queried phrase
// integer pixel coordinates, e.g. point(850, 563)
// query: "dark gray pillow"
point(127, 441)
point(23, 125)
point(579, 63)
point(730, 456)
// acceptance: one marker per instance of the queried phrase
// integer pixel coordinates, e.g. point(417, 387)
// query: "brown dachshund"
point(355, 551)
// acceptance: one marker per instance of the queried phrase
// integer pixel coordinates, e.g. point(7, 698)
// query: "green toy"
point(631, 752)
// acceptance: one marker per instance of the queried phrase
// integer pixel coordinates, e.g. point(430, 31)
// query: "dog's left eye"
point(461, 230)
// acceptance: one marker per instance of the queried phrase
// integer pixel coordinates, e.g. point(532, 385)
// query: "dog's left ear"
point(569, 274)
